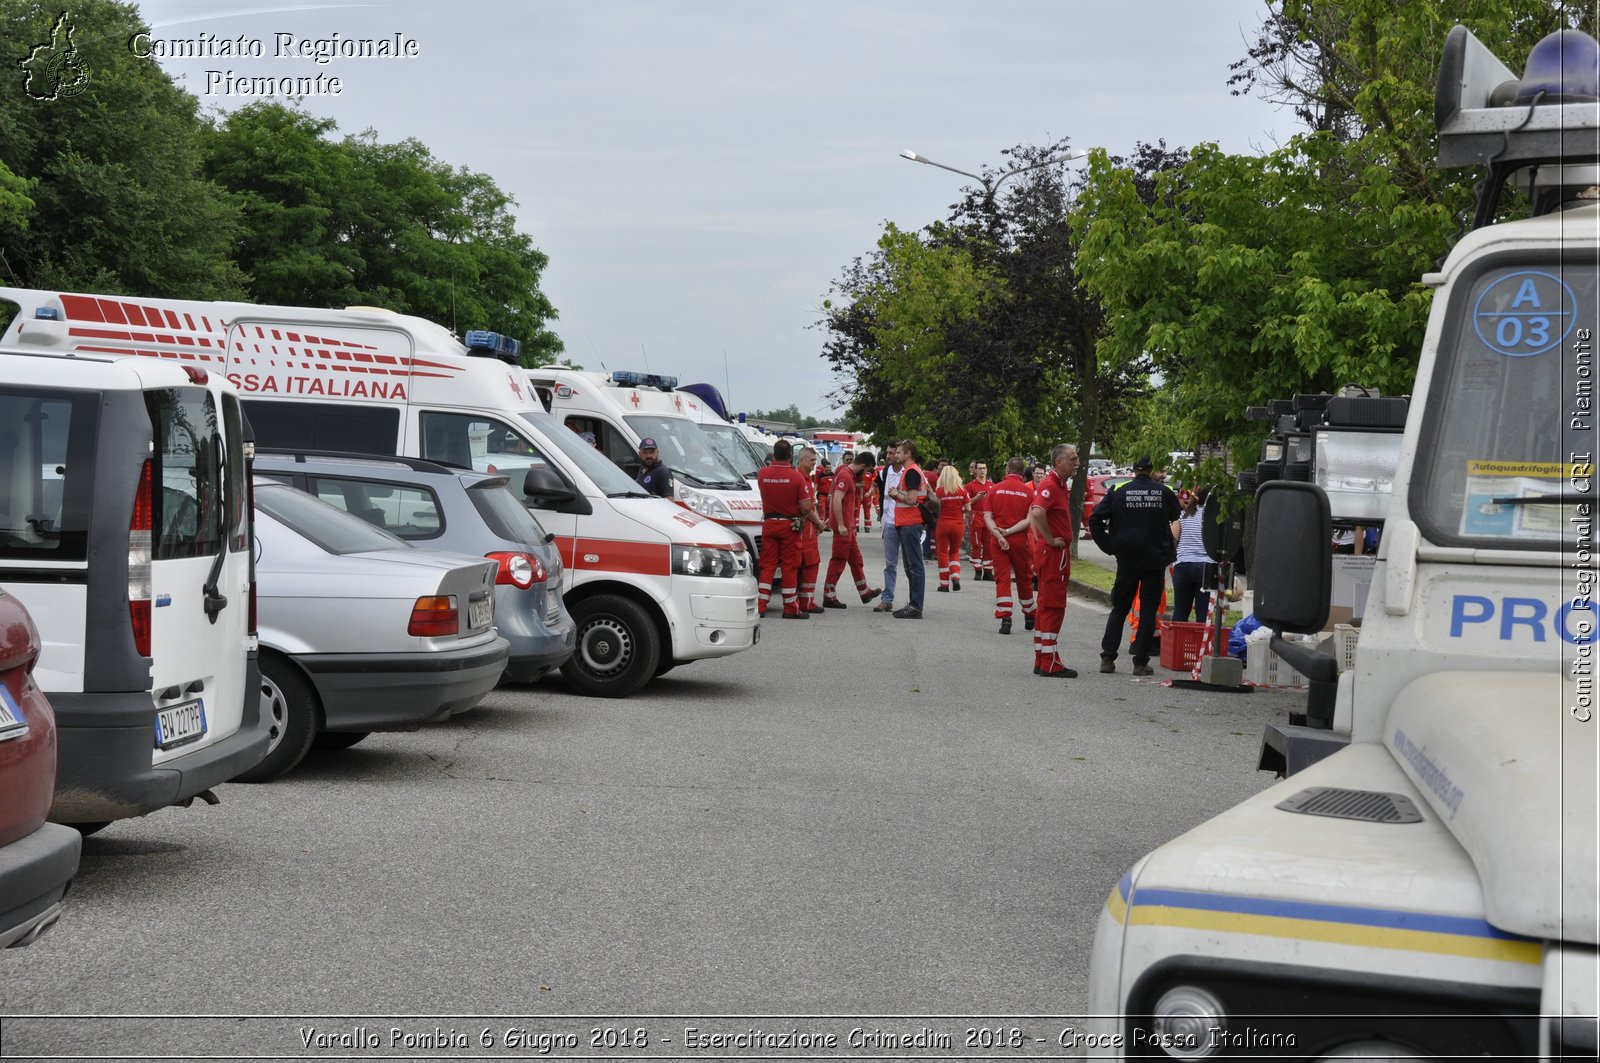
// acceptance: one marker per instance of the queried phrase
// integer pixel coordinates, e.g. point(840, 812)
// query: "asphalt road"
point(860, 816)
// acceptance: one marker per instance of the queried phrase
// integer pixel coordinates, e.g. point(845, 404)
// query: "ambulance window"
point(47, 441)
point(617, 447)
point(185, 473)
point(238, 522)
point(301, 426)
point(545, 397)
point(483, 444)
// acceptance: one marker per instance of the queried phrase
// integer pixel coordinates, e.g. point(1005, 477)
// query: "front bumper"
point(401, 691)
point(35, 872)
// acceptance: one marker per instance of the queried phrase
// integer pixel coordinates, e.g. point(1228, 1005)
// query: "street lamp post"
point(992, 184)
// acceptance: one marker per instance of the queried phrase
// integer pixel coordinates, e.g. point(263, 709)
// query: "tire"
point(664, 666)
point(290, 706)
point(618, 647)
point(331, 740)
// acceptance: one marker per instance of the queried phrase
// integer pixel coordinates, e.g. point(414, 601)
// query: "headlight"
point(704, 504)
point(1187, 1020)
point(709, 561)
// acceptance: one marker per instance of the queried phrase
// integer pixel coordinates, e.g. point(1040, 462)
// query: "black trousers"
point(1133, 580)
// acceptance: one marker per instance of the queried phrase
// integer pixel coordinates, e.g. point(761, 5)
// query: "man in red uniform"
point(842, 519)
point(784, 511)
point(810, 552)
point(1051, 519)
point(1006, 520)
point(979, 541)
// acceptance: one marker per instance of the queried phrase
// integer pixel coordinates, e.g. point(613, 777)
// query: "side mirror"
point(1293, 576)
point(543, 487)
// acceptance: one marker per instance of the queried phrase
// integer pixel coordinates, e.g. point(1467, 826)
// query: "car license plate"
point(181, 724)
point(480, 613)
point(12, 723)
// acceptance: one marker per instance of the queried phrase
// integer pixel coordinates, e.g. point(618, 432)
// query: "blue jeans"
point(911, 553)
point(1188, 589)
point(891, 558)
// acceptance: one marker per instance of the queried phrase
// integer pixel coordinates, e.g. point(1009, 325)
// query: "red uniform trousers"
point(780, 548)
point(1055, 568)
point(1016, 559)
point(810, 561)
point(982, 544)
point(947, 542)
point(845, 553)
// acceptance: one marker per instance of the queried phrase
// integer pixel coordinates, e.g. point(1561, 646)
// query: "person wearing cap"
point(1134, 525)
point(654, 476)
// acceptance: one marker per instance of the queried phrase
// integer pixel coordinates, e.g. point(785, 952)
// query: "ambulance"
point(125, 527)
point(621, 408)
point(650, 584)
point(1423, 882)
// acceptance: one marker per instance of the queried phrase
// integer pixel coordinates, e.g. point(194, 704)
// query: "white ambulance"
point(650, 584)
point(622, 408)
point(125, 527)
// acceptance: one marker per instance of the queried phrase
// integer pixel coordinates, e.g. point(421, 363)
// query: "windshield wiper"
point(635, 493)
point(1566, 498)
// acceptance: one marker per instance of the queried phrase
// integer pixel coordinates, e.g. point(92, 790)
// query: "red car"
point(37, 859)
point(1094, 491)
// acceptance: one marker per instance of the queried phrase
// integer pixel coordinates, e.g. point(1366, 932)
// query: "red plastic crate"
point(1180, 644)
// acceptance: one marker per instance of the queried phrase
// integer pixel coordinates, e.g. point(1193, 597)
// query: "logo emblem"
point(635, 399)
point(516, 387)
point(54, 71)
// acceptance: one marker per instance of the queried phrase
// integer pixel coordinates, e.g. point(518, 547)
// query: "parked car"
point(360, 631)
point(37, 859)
point(1093, 491)
point(434, 507)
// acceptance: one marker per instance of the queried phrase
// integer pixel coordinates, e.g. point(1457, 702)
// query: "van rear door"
point(198, 571)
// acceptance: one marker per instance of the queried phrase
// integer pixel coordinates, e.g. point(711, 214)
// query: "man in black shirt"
point(1134, 525)
point(654, 477)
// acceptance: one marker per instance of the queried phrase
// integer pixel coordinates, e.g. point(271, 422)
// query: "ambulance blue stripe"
point(1322, 913)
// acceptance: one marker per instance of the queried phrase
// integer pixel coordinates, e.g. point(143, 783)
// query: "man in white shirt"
point(894, 462)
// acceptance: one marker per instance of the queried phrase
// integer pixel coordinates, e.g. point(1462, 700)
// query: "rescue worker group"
point(1019, 532)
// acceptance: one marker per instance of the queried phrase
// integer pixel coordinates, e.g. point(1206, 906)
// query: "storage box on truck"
point(650, 584)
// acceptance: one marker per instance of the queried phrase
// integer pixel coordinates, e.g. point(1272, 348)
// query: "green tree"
point(1249, 278)
point(359, 221)
point(109, 149)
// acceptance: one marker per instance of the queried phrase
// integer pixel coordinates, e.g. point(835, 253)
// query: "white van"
point(125, 527)
point(622, 408)
point(650, 584)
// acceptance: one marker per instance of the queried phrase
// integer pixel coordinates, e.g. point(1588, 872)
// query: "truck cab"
point(1425, 884)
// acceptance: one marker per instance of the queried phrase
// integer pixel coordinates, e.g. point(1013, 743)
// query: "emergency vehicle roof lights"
point(1565, 67)
point(483, 342)
point(628, 378)
point(47, 313)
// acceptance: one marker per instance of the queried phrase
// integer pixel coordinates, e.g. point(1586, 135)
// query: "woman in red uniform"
point(947, 533)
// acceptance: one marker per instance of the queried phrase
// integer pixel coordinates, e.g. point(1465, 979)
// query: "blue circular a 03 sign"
point(1525, 313)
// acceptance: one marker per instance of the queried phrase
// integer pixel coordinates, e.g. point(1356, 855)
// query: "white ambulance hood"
point(1511, 771)
point(677, 523)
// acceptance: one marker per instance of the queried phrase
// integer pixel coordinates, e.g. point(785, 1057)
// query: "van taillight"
point(434, 617)
point(139, 563)
point(519, 570)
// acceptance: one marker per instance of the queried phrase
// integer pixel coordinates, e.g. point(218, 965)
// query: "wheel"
point(290, 706)
point(664, 666)
point(337, 739)
point(618, 647)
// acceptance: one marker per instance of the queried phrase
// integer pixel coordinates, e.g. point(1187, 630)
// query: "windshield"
point(686, 451)
point(1513, 417)
point(331, 528)
point(731, 446)
point(611, 481)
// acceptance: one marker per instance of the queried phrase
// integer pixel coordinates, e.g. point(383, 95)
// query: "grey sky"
point(699, 171)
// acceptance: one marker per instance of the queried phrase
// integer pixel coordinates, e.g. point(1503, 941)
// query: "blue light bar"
point(628, 378)
point(480, 341)
point(47, 313)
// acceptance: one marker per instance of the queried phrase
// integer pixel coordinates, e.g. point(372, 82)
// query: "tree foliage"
point(357, 221)
point(111, 164)
point(1252, 277)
